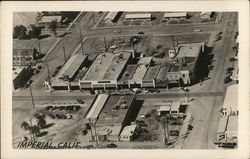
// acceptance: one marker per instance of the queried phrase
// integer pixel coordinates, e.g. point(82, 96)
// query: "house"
point(175, 15)
point(175, 108)
point(128, 133)
point(206, 15)
point(164, 110)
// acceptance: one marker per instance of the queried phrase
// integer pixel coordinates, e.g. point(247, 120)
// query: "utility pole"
point(48, 71)
point(93, 16)
point(81, 39)
point(39, 47)
point(173, 45)
point(32, 99)
point(105, 44)
point(64, 54)
point(165, 136)
point(96, 137)
point(91, 129)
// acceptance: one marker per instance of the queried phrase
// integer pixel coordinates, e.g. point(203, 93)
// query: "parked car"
point(51, 116)
point(174, 133)
point(197, 30)
point(111, 145)
point(59, 116)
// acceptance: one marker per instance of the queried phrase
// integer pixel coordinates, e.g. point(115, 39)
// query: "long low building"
point(112, 17)
point(69, 70)
point(20, 76)
point(230, 104)
point(105, 71)
point(175, 15)
point(227, 133)
point(138, 16)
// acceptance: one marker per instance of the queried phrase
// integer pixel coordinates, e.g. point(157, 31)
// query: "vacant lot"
point(45, 44)
point(24, 18)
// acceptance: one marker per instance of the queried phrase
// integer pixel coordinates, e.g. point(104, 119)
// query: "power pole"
point(81, 39)
point(64, 54)
point(93, 16)
point(39, 47)
point(48, 71)
point(96, 137)
point(165, 136)
point(173, 45)
point(91, 129)
point(32, 99)
point(105, 45)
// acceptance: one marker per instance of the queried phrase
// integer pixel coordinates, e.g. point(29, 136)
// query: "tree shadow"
point(48, 125)
point(44, 36)
point(42, 134)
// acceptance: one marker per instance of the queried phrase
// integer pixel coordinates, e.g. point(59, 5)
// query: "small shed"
point(164, 110)
point(175, 108)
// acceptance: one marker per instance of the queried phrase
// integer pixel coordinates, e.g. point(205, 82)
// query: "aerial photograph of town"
point(125, 80)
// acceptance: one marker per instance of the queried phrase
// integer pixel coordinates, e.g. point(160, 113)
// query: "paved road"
point(72, 40)
point(206, 117)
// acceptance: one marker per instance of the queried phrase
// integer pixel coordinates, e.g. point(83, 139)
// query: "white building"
point(138, 16)
point(175, 15)
point(230, 105)
point(128, 133)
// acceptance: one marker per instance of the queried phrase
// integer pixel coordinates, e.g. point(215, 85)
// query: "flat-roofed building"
point(165, 109)
point(138, 16)
point(112, 17)
point(161, 79)
point(117, 112)
point(175, 108)
point(96, 108)
point(230, 104)
point(127, 75)
point(175, 15)
point(150, 76)
point(20, 76)
point(136, 80)
point(227, 132)
point(191, 56)
point(105, 71)
point(47, 20)
point(128, 133)
point(145, 61)
point(69, 71)
point(206, 15)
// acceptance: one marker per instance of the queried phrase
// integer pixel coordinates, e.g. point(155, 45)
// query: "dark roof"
point(110, 115)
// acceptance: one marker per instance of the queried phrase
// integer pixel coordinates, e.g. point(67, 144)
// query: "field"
point(24, 18)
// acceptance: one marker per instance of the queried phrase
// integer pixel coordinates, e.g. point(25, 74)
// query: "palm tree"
point(41, 122)
point(35, 130)
point(25, 125)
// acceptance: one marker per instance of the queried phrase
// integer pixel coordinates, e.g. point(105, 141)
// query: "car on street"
point(111, 145)
point(197, 30)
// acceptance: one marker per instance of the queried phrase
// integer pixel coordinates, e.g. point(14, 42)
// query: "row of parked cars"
point(70, 107)
point(60, 116)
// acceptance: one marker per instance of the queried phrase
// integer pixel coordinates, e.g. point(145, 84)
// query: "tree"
point(25, 125)
point(53, 26)
point(35, 130)
point(41, 123)
point(35, 31)
point(20, 32)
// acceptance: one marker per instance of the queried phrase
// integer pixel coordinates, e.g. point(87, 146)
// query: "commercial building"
point(47, 20)
point(206, 15)
point(127, 75)
point(150, 76)
point(138, 16)
point(230, 104)
point(105, 71)
point(227, 133)
point(175, 15)
point(169, 108)
point(96, 108)
point(128, 133)
point(112, 17)
point(67, 74)
point(116, 114)
point(136, 80)
point(20, 76)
